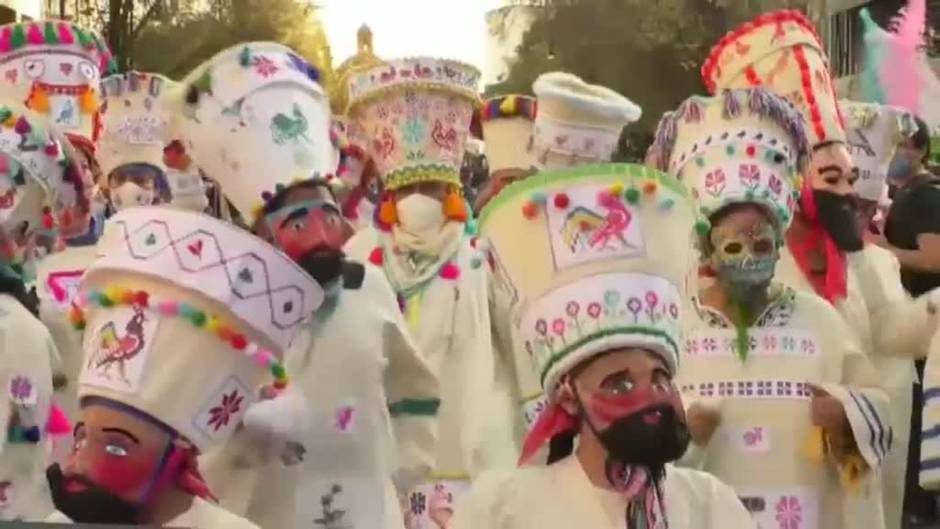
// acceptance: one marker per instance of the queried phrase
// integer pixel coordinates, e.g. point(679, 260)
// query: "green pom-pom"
point(50, 34)
point(702, 228)
point(278, 371)
point(244, 58)
point(730, 150)
point(5, 114)
point(633, 195)
point(105, 301)
point(700, 161)
point(198, 318)
point(18, 38)
point(83, 38)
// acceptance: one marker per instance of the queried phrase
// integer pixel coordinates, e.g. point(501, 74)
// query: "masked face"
point(745, 253)
point(628, 400)
point(119, 463)
point(904, 165)
point(311, 231)
point(839, 215)
point(832, 169)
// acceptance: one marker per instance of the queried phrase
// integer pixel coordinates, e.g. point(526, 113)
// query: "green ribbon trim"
point(631, 175)
point(418, 407)
point(573, 346)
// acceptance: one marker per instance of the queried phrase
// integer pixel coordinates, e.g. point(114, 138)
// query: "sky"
point(453, 29)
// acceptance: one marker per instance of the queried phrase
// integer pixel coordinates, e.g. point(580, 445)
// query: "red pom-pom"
point(142, 299)
point(530, 210)
point(750, 150)
point(48, 222)
point(562, 201)
point(377, 257)
point(450, 271)
point(52, 149)
point(239, 342)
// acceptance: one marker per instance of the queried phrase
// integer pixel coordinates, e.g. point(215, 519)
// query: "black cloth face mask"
point(838, 214)
point(325, 265)
point(93, 505)
point(634, 440)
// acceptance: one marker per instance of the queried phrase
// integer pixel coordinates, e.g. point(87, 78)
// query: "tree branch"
point(151, 11)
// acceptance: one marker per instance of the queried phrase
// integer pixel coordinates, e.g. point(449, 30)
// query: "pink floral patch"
point(789, 513)
point(265, 67)
point(229, 407)
point(715, 182)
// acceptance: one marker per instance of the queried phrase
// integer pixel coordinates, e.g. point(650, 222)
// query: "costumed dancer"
point(825, 251)
point(782, 400)
point(417, 113)
point(577, 124)
point(38, 183)
point(187, 188)
point(185, 321)
point(359, 371)
point(507, 124)
point(600, 256)
point(129, 152)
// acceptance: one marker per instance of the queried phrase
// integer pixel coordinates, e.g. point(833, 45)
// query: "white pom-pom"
point(283, 418)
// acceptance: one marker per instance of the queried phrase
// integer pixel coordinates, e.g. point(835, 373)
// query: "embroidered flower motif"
point(674, 311)
point(789, 343)
point(749, 175)
point(558, 326)
point(776, 186)
point(652, 299)
point(20, 388)
point(573, 308)
point(808, 346)
point(634, 305)
point(710, 344)
point(413, 131)
point(789, 513)
point(221, 414)
point(541, 327)
point(611, 299)
point(418, 501)
point(770, 342)
point(715, 182)
point(265, 67)
point(594, 310)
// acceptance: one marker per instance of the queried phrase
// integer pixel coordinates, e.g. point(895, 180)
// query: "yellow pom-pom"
point(213, 325)
point(508, 106)
point(616, 188)
point(114, 293)
point(10, 121)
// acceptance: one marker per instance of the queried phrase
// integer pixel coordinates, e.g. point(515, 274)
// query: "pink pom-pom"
point(52, 149)
point(34, 35)
point(263, 358)
point(22, 126)
point(168, 308)
point(58, 423)
point(65, 34)
point(377, 257)
point(5, 36)
point(450, 271)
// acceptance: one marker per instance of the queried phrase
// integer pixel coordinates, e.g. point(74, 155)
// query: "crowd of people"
point(239, 300)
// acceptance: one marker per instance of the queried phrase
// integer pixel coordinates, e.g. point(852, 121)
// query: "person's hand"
point(440, 506)
point(703, 421)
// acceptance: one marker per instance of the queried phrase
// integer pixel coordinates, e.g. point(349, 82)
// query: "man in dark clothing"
point(915, 211)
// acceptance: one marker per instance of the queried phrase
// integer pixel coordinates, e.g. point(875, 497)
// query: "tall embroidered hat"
point(743, 146)
point(782, 52)
point(40, 184)
point(54, 67)
point(136, 120)
point(577, 123)
point(874, 133)
point(597, 257)
point(186, 317)
point(507, 132)
point(417, 113)
point(255, 117)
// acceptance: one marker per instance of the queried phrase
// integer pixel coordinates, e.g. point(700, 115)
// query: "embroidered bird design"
point(291, 128)
point(446, 139)
point(384, 145)
point(116, 350)
point(615, 223)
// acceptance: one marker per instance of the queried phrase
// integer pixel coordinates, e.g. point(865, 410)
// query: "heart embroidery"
point(151, 240)
point(288, 307)
point(66, 68)
point(195, 248)
point(12, 75)
point(245, 276)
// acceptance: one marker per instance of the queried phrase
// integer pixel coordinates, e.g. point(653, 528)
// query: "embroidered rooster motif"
point(615, 223)
point(285, 128)
point(115, 350)
point(384, 145)
point(445, 139)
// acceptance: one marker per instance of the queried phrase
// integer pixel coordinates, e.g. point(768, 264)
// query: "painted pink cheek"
point(123, 475)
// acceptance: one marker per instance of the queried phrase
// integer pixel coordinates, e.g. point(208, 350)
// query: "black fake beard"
point(94, 505)
point(839, 216)
point(631, 440)
point(325, 265)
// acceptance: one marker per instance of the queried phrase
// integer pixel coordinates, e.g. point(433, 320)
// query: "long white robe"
point(560, 496)
point(201, 515)
point(892, 329)
point(26, 353)
point(764, 405)
point(450, 319)
point(353, 363)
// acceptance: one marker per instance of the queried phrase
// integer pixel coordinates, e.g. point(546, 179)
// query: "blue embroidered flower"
point(413, 131)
